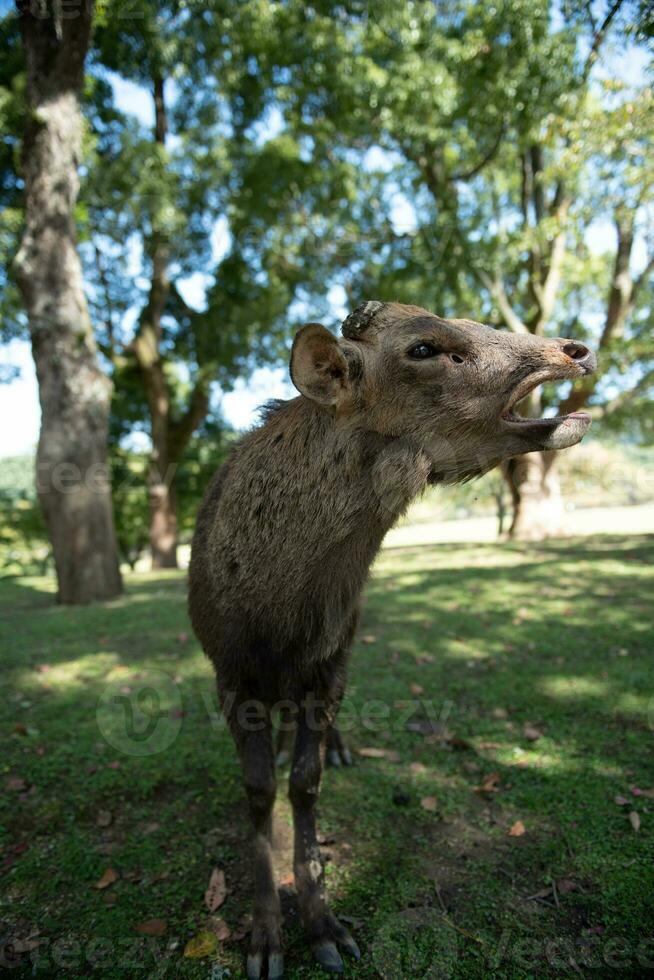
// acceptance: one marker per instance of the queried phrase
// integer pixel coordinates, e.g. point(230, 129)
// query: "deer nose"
point(582, 355)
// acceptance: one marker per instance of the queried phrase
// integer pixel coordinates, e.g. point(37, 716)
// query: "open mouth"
point(511, 417)
point(508, 415)
point(557, 432)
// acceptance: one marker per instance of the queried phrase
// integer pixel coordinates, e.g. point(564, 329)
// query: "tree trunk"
point(163, 512)
point(535, 489)
point(72, 477)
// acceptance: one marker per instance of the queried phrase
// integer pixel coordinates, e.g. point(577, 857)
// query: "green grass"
point(556, 636)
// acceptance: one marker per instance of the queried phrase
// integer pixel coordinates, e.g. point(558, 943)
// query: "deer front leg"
point(255, 747)
point(325, 931)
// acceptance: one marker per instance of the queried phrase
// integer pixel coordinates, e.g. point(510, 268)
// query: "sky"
point(19, 403)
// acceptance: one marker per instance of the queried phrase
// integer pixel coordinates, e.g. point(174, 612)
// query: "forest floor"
point(498, 822)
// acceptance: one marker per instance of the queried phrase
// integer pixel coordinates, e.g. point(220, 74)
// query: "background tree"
point(158, 195)
point(71, 461)
point(486, 117)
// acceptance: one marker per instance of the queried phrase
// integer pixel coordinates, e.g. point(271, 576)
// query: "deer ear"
point(318, 368)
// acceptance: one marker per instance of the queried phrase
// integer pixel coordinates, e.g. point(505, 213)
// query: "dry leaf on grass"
point(372, 752)
point(429, 803)
point(204, 944)
point(621, 800)
point(531, 732)
point(16, 783)
point(103, 818)
point(416, 689)
point(220, 928)
point(287, 880)
point(152, 927)
point(517, 829)
point(490, 784)
point(216, 891)
point(369, 639)
point(108, 878)
point(637, 791)
point(634, 820)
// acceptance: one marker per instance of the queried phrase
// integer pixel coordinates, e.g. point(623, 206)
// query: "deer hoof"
point(328, 957)
point(255, 964)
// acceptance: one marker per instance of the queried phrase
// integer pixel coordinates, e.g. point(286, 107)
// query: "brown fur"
point(292, 522)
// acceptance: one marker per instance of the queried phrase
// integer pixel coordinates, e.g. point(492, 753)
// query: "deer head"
point(450, 387)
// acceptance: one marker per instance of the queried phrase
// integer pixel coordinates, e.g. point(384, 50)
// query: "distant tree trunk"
point(170, 435)
point(72, 481)
point(535, 489)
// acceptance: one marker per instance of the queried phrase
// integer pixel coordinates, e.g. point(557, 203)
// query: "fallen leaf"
point(216, 892)
point(287, 880)
point(110, 898)
point(417, 768)
point(204, 944)
point(151, 827)
point(103, 818)
point(368, 639)
point(152, 927)
point(16, 783)
point(634, 820)
point(621, 800)
point(566, 885)
point(220, 928)
point(20, 729)
point(373, 752)
point(424, 658)
point(531, 733)
point(108, 878)
point(429, 803)
point(417, 689)
point(517, 829)
point(637, 791)
point(489, 745)
point(490, 783)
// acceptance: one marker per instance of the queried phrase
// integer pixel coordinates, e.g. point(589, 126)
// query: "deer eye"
point(421, 351)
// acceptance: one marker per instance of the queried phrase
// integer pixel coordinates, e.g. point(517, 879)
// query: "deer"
point(292, 521)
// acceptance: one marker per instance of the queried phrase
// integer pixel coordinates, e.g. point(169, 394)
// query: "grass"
point(532, 663)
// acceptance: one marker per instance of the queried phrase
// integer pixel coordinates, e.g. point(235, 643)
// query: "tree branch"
point(469, 174)
point(625, 397)
point(598, 39)
point(496, 288)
